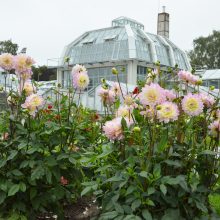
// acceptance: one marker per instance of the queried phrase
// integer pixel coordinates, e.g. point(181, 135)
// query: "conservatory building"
point(126, 46)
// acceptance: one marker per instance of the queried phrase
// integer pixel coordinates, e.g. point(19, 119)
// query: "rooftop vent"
point(122, 21)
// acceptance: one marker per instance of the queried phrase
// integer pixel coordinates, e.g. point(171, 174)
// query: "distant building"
point(124, 45)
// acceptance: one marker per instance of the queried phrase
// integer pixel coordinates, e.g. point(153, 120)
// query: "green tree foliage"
point(206, 51)
point(8, 46)
point(43, 73)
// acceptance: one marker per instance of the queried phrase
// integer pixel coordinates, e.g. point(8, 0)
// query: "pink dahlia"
point(116, 89)
point(113, 129)
point(207, 100)
point(168, 112)
point(23, 63)
point(78, 69)
point(152, 95)
point(107, 96)
point(29, 88)
point(80, 80)
point(170, 94)
point(188, 77)
point(32, 103)
point(6, 61)
point(215, 128)
point(192, 104)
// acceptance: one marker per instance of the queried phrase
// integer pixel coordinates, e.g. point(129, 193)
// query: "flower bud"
point(66, 59)
point(103, 80)
point(1, 88)
point(136, 129)
point(199, 82)
point(114, 71)
point(212, 88)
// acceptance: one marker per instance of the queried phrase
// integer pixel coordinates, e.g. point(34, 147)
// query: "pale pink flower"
point(6, 61)
point(29, 88)
point(113, 129)
point(188, 77)
point(151, 95)
point(215, 128)
point(207, 100)
point(107, 96)
point(170, 94)
point(168, 112)
point(128, 100)
point(80, 80)
point(148, 112)
point(23, 63)
point(192, 104)
point(124, 111)
point(78, 69)
point(116, 89)
point(32, 103)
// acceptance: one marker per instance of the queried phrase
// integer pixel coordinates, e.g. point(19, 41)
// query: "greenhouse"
point(124, 45)
point(211, 78)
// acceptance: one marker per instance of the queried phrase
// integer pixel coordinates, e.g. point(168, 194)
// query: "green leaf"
point(150, 202)
point(13, 190)
point(146, 214)
point(33, 193)
point(201, 206)
point(163, 189)
point(174, 163)
point(2, 197)
point(13, 153)
point(208, 152)
point(163, 143)
point(22, 186)
point(150, 190)
point(86, 190)
point(144, 174)
point(17, 172)
point(37, 173)
point(135, 204)
point(109, 215)
point(51, 161)
point(72, 160)
point(114, 179)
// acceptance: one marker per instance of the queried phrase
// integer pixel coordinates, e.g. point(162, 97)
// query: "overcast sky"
point(46, 26)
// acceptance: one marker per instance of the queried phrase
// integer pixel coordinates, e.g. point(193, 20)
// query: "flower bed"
point(152, 155)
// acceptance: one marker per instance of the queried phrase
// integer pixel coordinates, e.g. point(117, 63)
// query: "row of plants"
point(152, 154)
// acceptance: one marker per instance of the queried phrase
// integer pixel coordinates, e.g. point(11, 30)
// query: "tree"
point(43, 73)
point(206, 51)
point(8, 47)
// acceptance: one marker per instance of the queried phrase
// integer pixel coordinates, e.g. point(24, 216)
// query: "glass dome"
point(125, 40)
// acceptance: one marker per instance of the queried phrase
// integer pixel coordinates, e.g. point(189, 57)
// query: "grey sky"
point(46, 26)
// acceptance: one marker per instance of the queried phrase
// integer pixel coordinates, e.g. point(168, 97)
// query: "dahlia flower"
point(6, 61)
point(33, 102)
point(168, 112)
point(107, 96)
point(128, 100)
point(113, 129)
point(116, 89)
point(23, 63)
point(188, 77)
point(192, 104)
point(123, 111)
point(152, 95)
point(170, 94)
point(207, 100)
point(80, 80)
point(78, 69)
point(28, 88)
point(215, 128)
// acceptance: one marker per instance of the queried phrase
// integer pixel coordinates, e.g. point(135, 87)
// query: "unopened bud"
point(199, 82)
point(66, 59)
point(212, 88)
point(157, 63)
point(114, 71)
point(136, 129)
point(1, 88)
point(102, 80)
